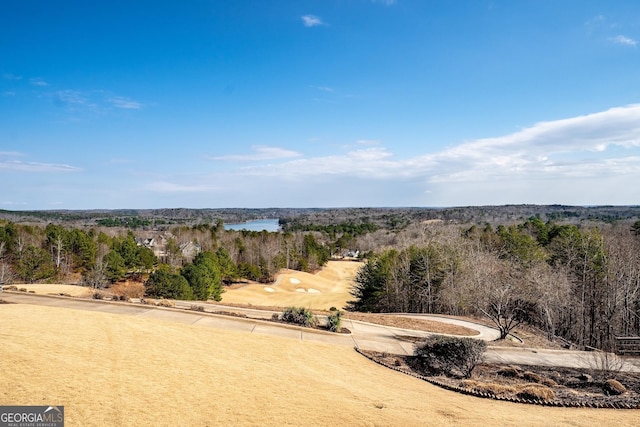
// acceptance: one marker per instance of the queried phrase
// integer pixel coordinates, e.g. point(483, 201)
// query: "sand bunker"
point(269, 289)
point(313, 291)
point(294, 281)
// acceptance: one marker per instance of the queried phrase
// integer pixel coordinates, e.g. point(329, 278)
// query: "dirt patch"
point(557, 386)
point(410, 323)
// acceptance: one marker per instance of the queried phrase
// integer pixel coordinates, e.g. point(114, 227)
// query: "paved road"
point(363, 335)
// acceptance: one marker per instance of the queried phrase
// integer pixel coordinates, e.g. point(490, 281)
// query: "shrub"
point(22, 290)
point(549, 382)
point(299, 316)
point(613, 388)
point(334, 321)
point(488, 388)
point(532, 376)
point(11, 288)
point(97, 295)
point(197, 307)
point(536, 392)
point(450, 355)
point(165, 303)
point(509, 372)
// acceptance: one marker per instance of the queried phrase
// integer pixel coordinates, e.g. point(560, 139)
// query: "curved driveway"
point(366, 336)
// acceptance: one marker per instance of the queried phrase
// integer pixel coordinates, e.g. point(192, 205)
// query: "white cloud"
point(124, 103)
point(312, 21)
point(623, 40)
point(19, 166)
point(595, 22)
point(324, 88)
point(38, 82)
point(588, 159)
point(261, 152)
point(70, 97)
point(592, 154)
point(9, 76)
point(10, 153)
point(93, 101)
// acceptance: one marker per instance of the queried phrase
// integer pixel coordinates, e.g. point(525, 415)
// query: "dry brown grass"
point(128, 289)
point(536, 392)
point(109, 370)
point(47, 289)
point(412, 323)
point(492, 388)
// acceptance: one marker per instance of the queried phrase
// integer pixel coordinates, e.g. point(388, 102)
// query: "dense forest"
point(573, 271)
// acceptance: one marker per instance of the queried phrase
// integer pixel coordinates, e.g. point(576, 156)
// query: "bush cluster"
point(536, 392)
point(334, 321)
point(299, 316)
point(450, 355)
point(613, 387)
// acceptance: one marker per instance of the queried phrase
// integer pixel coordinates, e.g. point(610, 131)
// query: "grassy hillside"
point(123, 371)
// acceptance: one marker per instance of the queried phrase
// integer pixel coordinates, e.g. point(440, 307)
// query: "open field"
point(115, 370)
point(328, 288)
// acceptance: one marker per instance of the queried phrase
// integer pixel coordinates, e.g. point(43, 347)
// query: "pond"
point(269, 224)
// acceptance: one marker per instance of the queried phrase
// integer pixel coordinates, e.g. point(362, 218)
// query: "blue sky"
point(326, 103)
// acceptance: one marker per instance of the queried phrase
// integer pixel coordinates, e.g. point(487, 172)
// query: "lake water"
point(257, 225)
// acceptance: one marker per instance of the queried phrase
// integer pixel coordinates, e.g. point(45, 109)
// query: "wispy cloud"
point(623, 40)
point(385, 2)
point(560, 148)
point(594, 22)
point(9, 76)
point(588, 159)
point(124, 103)
point(312, 21)
point(261, 152)
point(20, 166)
point(324, 88)
point(37, 81)
point(70, 97)
point(93, 101)
point(11, 163)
